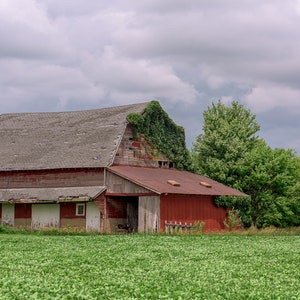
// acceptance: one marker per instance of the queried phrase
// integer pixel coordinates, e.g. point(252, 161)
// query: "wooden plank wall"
point(51, 178)
point(68, 216)
point(191, 209)
point(22, 215)
point(149, 214)
point(117, 184)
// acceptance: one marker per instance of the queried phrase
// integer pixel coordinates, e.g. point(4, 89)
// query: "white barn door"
point(8, 214)
point(45, 215)
point(149, 214)
point(92, 216)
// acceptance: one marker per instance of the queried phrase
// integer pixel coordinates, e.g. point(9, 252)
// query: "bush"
point(233, 221)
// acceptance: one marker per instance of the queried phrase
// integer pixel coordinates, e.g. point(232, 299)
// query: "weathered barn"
point(88, 170)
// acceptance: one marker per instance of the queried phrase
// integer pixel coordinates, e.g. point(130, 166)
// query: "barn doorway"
point(123, 211)
point(132, 212)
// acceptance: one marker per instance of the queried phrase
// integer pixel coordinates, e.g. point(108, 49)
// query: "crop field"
point(149, 267)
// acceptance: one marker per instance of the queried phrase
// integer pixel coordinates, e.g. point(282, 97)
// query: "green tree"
point(270, 178)
point(228, 135)
point(230, 152)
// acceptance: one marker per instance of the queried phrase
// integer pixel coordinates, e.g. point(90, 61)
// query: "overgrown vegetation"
point(233, 220)
point(160, 130)
point(130, 267)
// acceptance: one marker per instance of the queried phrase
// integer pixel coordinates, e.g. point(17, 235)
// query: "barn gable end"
point(139, 152)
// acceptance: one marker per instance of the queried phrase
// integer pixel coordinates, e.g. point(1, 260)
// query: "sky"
point(85, 54)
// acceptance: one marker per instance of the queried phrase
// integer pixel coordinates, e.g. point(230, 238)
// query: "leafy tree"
point(270, 178)
point(228, 134)
point(230, 152)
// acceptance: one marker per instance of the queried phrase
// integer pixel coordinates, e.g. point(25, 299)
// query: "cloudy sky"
point(81, 54)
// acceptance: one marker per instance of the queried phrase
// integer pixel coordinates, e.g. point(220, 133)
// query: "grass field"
point(149, 267)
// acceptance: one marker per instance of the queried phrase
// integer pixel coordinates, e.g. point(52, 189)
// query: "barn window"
point(165, 164)
point(80, 209)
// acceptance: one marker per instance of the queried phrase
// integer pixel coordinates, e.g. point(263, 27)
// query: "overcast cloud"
point(76, 54)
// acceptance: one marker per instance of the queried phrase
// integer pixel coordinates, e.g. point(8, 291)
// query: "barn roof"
point(37, 195)
point(172, 181)
point(55, 140)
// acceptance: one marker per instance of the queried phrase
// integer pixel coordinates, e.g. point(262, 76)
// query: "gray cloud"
point(65, 55)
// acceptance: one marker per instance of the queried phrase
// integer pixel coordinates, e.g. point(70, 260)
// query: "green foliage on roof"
point(161, 131)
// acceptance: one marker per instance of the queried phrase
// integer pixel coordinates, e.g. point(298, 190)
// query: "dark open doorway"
point(132, 212)
point(125, 210)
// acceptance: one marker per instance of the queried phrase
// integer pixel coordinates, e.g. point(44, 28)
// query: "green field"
point(149, 267)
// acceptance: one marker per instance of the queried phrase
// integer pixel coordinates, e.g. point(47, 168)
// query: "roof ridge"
point(75, 111)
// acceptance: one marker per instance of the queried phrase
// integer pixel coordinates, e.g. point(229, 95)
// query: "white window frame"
point(78, 206)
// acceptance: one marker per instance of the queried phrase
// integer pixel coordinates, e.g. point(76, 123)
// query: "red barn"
point(86, 170)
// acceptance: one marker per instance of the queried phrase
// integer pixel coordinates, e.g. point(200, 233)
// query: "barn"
point(90, 170)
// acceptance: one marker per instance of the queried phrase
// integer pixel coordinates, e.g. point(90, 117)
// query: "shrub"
point(233, 221)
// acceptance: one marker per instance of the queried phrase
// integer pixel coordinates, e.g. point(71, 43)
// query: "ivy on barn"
point(162, 133)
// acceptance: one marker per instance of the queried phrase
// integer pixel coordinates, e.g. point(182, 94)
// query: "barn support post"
point(104, 215)
point(101, 202)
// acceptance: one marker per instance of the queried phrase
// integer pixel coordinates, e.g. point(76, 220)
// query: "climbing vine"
point(163, 133)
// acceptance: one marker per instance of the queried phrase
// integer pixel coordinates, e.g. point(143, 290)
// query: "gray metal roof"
point(54, 140)
point(38, 195)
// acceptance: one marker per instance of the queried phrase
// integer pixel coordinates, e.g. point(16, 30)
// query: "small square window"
point(80, 209)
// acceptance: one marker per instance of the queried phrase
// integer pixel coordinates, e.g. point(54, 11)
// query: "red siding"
point(68, 211)
point(51, 178)
point(100, 202)
point(116, 208)
point(190, 209)
point(22, 211)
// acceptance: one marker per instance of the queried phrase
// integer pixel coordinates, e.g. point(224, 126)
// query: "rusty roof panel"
point(36, 195)
point(156, 179)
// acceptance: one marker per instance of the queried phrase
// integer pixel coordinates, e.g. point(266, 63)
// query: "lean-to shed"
point(164, 196)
